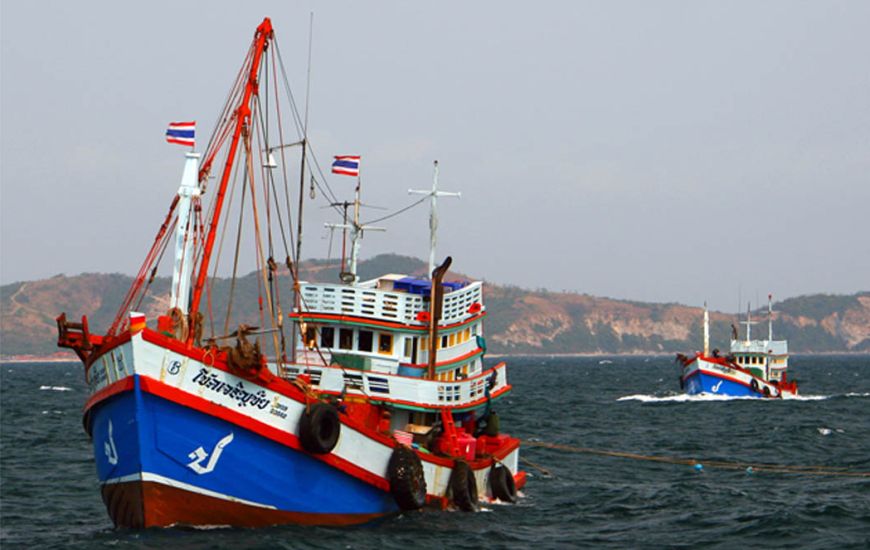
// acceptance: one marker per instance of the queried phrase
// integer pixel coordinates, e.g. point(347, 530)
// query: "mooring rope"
point(728, 465)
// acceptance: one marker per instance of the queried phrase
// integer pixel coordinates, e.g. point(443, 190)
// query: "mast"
point(748, 322)
point(706, 331)
point(182, 270)
point(770, 317)
point(242, 123)
point(356, 232)
point(434, 193)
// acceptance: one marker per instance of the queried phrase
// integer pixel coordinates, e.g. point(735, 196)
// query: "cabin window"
point(366, 340)
point(408, 345)
point(327, 337)
point(452, 340)
point(345, 338)
point(385, 343)
point(444, 341)
point(466, 334)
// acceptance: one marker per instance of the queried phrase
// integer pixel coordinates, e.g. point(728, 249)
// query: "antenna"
point(434, 193)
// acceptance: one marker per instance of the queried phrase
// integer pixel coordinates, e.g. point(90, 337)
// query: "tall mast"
point(356, 232)
point(706, 331)
point(434, 193)
point(748, 322)
point(242, 123)
point(770, 317)
point(188, 192)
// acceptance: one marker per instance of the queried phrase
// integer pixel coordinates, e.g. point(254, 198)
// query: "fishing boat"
point(372, 399)
point(752, 368)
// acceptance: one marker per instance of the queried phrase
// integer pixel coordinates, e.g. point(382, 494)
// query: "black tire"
point(319, 428)
point(766, 391)
point(464, 487)
point(407, 482)
point(501, 483)
point(754, 385)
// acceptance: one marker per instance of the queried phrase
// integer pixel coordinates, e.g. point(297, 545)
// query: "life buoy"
point(754, 385)
point(501, 483)
point(407, 482)
point(319, 428)
point(464, 487)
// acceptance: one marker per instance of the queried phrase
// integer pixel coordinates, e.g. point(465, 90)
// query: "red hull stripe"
point(716, 375)
point(115, 388)
point(143, 504)
point(388, 324)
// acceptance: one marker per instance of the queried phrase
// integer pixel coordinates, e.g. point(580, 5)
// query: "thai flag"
point(181, 133)
point(346, 165)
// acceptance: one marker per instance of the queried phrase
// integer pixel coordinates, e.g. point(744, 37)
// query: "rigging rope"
point(723, 464)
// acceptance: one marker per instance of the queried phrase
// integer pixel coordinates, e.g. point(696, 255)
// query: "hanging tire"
point(464, 487)
point(754, 385)
point(501, 483)
point(319, 428)
point(407, 482)
point(766, 391)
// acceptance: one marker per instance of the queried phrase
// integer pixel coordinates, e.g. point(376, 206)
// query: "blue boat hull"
point(140, 438)
point(699, 382)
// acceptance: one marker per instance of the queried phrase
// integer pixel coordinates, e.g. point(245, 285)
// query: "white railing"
point(382, 305)
point(402, 389)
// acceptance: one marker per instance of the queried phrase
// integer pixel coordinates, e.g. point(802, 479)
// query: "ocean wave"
point(707, 397)
point(55, 388)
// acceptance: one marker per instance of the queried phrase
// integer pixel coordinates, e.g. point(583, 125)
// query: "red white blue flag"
point(346, 165)
point(181, 133)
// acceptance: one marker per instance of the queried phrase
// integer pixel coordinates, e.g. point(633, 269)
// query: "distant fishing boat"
point(379, 403)
point(752, 368)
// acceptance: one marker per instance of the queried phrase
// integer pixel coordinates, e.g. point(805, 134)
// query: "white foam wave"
point(55, 388)
point(707, 397)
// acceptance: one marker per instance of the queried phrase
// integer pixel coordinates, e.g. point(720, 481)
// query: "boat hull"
point(714, 377)
point(161, 463)
point(179, 440)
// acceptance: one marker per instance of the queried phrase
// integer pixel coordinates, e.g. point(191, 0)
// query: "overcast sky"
point(656, 151)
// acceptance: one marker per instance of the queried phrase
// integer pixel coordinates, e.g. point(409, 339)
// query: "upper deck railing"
point(365, 300)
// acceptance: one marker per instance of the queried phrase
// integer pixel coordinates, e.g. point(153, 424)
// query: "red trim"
point(125, 384)
point(143, 504)
point(447, 362)
point(367, 321)
point(520, 479)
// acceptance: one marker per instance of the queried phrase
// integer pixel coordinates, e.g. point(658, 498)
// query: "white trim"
point(147, 476)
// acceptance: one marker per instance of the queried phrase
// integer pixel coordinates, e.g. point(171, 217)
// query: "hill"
point(519, 321)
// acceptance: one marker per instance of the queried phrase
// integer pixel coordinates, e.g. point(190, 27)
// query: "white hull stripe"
point(147, 476)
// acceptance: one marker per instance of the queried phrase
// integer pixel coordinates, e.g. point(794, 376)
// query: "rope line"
point(724, 464)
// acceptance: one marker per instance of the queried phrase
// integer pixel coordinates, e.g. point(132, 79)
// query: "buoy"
point(699, 467)
point(749, 470)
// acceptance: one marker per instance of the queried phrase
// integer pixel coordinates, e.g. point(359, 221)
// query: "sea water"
point(49, 497)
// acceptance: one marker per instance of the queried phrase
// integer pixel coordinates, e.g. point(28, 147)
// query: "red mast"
point(242, 122)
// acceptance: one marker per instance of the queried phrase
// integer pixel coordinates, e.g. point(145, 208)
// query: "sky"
point(657, 151)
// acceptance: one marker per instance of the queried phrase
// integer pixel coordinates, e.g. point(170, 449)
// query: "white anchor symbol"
point(109, 447)
point(716, 387)
point(199, 455)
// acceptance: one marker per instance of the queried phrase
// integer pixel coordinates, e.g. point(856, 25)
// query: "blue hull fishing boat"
point(366, 399)
point(752, 368)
